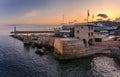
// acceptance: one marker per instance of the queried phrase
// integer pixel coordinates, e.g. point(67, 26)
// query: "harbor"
point(59, 38)
point(67, 48)
point(19, 60)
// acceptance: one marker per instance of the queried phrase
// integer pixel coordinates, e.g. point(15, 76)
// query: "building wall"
point(108, 44)
point(58, 46)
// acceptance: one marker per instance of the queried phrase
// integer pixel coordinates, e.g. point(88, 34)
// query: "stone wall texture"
point(68, 47)
point(109, 43)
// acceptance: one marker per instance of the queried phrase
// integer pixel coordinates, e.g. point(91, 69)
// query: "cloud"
point(31, 14)
point(102, 15)
point(99, 19)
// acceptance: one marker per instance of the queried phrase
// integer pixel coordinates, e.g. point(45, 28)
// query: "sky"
point(52, 11)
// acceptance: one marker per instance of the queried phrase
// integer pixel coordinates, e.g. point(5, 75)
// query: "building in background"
point(65, 30)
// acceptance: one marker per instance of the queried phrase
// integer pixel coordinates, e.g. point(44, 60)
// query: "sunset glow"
point(51, 11)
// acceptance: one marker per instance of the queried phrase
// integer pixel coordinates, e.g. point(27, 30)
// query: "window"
point(77, 37)
point(92, 34)
point(98, 40)
point(78, 31)
point(89, 27)
point(81, 27)
point(89, 34)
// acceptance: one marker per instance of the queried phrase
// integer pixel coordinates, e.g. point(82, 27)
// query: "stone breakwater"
point(65, 48)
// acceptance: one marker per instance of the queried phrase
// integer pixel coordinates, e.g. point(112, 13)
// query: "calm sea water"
point(16, 60)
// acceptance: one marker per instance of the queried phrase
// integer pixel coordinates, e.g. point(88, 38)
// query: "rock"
point(40, 51)
point(43, 48)
point(33, 45)
point(39, 46)
point(25, 43)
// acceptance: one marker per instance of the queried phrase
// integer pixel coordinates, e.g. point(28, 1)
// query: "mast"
point(93, 18)
point(88, 14)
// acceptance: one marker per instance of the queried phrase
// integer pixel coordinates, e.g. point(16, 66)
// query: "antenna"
point(63, 18)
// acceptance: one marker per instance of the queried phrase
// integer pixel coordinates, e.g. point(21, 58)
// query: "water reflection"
point(75, 68)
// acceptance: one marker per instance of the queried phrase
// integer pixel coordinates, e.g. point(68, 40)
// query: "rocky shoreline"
point(116, 56)
point(64, 49)
point(103, 66)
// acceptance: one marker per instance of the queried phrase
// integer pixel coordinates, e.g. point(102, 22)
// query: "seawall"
point(68, 48)
point(72, 48)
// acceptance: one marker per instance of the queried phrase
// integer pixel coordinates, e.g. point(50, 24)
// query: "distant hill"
point(108, 23)
point(117, 31)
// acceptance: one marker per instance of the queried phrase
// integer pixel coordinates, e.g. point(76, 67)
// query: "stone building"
point(85, 32)
point(81, 31)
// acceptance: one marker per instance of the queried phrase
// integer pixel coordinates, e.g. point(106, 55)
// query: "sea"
point(17, 60)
